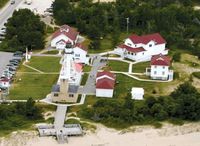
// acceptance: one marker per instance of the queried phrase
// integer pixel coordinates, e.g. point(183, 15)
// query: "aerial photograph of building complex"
point(100, 72)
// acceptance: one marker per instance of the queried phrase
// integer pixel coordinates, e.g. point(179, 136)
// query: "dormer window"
point(150, 45)
point(129, 44)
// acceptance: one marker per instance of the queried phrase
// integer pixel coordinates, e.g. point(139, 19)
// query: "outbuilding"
point(137, 93)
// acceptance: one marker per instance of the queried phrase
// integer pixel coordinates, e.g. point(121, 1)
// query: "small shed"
point(137, 93)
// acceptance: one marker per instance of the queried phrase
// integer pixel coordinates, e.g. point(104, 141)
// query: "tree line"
point(19, 115)
point(181, 104)
point(23, 30)
point(176, 20)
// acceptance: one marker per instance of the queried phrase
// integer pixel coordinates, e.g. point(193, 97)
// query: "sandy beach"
point(168, 135)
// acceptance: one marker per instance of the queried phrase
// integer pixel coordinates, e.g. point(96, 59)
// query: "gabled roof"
point(130, 49)
point(67, 31)
point(81, 46)
point(105, 83)
point(160, 60)
point(107, 73)
point(145, 39)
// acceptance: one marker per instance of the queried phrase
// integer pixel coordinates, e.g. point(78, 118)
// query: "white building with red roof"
point(80, 54)
point(65, 34)
point(159, 69)
point(142, 48)
point(105, 83)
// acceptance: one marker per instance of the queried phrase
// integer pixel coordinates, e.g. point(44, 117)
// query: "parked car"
point(14, 60)
point(11, 68)
point(11, 65)
point(12, 2)
point(14, 63)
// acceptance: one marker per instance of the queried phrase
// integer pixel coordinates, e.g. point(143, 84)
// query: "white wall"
point(60, 45)
point(80, 55)
point(104, 92)
point(60, 37)
point(137, 96)
point(159, 70)
point(104, 76)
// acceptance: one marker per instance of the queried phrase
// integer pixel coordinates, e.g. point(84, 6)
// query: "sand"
point(186, 135)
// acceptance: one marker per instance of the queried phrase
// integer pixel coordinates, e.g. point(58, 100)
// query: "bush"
point(177, 57)
point(196, 74)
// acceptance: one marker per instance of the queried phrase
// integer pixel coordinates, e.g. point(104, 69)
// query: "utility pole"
point(127, 24)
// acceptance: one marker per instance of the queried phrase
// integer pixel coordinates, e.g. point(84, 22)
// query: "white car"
point(28, 2)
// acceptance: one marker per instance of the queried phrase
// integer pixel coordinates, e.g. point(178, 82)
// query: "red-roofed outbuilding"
point(105, 83)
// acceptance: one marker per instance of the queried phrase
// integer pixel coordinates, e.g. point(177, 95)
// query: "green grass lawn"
point(106, 43)
point(45, 64)
point(53, 52)
point(140, 67)
point(84, 78)
point(36, 86)
point(117, 65)
point(125, 84)
point(87, 68)
point(3, 2)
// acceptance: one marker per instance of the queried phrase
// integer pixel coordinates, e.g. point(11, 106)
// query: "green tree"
point(32, 111)
point(24, 29)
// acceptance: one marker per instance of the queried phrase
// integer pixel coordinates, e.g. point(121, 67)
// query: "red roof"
point(112, 75)
point(67, 31)
point(105, 83)
point(160, 60)
point(130, 49)
point(81, 46)
point(147, 38)
point(4, 80)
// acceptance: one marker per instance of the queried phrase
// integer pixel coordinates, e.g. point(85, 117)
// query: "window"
point(131, 53)
point(150, 45)
point(155, 72)
point(143, 53)
point(155, 66)
point(163, 73)
point(129, 44)
point(71, 95)
point(56, 94)
point(163, 67)
point(77, 55)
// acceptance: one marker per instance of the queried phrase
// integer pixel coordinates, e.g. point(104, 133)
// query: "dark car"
point(12, 2)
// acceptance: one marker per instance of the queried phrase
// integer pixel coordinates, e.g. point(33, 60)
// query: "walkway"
point(89, 87)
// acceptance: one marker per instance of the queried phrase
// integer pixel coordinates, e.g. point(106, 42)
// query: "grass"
point(84, 78)
point(45, 64)
point(52, 52)
point(36, 86)
point(106, 43)
point(2, 3)
point(118, 65)
point(140, 67)
point(87, 68)
point(196, 74)
point(15, 123)
point(126, 83)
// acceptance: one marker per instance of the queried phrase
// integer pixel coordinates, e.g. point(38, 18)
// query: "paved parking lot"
point(4, 60)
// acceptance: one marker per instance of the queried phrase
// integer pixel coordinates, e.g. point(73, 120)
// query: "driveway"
point(4, 60)
point(90, 88)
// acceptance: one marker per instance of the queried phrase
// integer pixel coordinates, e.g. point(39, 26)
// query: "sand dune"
point(169, 135)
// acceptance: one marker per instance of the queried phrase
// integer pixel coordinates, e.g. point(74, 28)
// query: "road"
point(7, 12)
point(4, 60)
